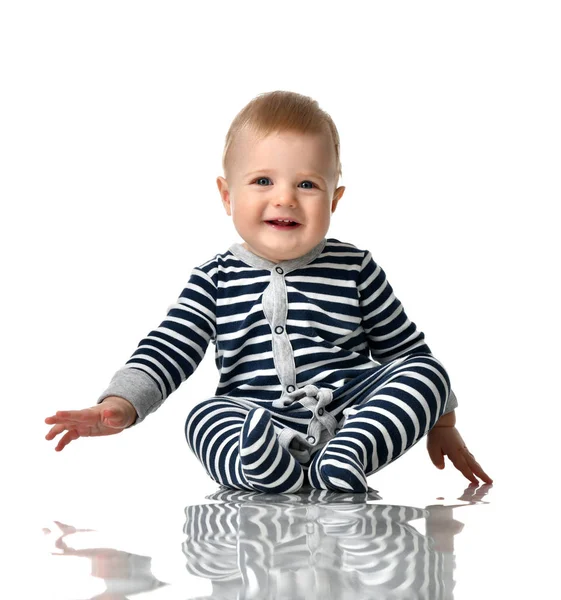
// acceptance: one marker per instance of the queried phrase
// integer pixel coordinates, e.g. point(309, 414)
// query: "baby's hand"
point(446, 440)
point(111, 416)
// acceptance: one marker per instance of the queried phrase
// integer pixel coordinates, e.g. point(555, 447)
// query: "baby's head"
point(281, 161)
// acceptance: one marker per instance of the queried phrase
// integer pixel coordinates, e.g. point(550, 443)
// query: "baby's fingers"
point(73, 416)
point(476, 468)
point(72, 434)
point(461, 464)
point(66, 439)
point(54, 431)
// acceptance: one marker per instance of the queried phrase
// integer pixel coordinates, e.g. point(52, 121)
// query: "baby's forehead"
point(255, 136)
point(257, 145)
point(309, 153)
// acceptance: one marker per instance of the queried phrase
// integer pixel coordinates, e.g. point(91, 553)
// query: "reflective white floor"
point(143, 542)
point(313, 544)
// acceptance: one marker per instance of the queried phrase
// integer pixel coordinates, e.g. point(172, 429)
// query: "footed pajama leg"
point(384, 424)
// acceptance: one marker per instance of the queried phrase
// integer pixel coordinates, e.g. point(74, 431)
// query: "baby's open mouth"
point(282, 224)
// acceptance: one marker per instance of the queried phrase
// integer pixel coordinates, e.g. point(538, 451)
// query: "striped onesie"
point(323, 378)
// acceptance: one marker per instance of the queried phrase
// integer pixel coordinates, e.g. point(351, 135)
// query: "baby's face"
point(283, 176)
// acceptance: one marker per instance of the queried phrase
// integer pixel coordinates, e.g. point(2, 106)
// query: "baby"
point(323, 378)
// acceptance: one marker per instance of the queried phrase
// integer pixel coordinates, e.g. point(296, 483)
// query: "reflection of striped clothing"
point(272, 546)
point(293, 338)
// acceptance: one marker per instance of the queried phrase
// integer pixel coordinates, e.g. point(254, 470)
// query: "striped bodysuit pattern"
point(324, 380)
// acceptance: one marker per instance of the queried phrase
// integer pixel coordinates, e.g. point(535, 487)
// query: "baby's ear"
point(336, 197)
point(222, 185)
point(224, 192)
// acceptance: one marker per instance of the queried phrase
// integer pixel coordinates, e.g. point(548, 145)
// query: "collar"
point(287, 265)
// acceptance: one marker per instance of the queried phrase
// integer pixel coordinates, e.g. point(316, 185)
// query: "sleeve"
point(169, 354)
point(389, 331)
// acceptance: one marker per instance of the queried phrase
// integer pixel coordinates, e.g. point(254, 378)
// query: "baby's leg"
point(392, 413)
point(239, 447)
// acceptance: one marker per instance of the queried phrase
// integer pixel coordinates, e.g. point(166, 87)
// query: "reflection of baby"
point(123, 572)
point(322, 375)
point(331, 545)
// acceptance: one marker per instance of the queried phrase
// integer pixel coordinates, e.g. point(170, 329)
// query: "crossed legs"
point(388, 413)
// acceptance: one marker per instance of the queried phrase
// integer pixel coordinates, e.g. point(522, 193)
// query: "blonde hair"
point(280, 111)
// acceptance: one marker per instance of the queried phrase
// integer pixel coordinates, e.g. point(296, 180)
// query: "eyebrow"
point(303, 173)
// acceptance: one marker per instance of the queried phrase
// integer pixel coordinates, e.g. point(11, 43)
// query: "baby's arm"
point(169, 354)
point(165, 358)
point(390, 332)
point(390, 335)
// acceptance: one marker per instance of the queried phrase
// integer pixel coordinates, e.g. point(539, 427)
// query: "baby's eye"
point(261, 178)
point(308, 181)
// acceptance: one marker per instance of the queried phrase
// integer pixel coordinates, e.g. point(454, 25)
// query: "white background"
point(112, 123)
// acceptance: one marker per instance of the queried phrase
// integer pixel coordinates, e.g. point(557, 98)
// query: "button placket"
point(314, 431)
point(275, 307)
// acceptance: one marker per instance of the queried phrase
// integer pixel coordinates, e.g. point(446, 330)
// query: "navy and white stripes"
point(341, 310)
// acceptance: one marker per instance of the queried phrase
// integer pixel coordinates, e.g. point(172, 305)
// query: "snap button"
point(320, 411)
point(279, 329)
point(311, 439)
point(279, 270)
point(290, 388)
